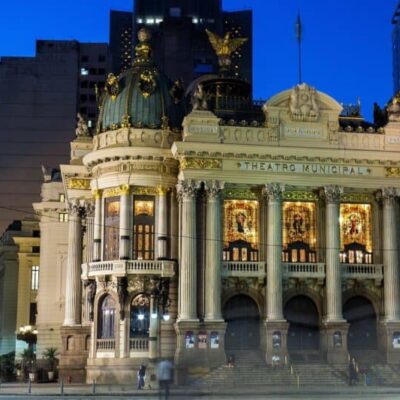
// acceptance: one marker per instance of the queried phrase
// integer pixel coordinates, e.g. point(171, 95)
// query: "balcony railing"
point(139, 344)
point(304, 270)
point(243, 268)
point(363, 271)
point(105, 344)
point(164, 268)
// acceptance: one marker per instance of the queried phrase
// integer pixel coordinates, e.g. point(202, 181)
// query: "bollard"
point(62, 386)
point(29, 386)
point(94, 386)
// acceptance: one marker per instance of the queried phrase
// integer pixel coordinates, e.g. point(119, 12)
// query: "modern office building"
point(40, 97)
point(224, 229)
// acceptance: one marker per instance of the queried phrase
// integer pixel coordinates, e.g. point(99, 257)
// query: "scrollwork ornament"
point(273, 191)
point(213, 189)
point(76, 209)
point(331, 193)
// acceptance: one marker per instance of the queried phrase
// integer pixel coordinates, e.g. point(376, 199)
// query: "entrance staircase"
point(250, 370)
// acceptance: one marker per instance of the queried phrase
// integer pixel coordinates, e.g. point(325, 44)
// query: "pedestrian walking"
point(165, 377)
point(141, 374)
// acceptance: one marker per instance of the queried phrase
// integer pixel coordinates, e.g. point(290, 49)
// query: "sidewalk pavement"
point(54, 389)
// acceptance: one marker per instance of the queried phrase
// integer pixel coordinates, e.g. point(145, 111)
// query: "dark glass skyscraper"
point(178, 28)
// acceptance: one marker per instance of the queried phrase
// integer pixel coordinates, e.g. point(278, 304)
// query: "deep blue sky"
point(347, 43)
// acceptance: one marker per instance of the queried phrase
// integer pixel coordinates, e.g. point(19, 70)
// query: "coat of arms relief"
point(303, 104)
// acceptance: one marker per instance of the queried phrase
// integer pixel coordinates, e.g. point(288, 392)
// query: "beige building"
point(197, 234)
point(19, 282)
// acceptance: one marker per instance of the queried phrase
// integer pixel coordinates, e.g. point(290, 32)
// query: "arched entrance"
point(302, 315)
point(360, 314)
point(243, 319)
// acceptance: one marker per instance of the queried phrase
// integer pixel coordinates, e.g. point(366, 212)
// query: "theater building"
point(196, 230)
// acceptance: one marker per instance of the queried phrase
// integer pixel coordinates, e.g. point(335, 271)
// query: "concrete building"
point(227, 227)
point(40, 97)
point(19, 281)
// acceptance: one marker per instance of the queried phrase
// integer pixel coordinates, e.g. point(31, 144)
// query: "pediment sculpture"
point(303, 104)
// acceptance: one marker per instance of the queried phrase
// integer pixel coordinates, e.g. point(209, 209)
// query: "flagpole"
point(299, 36)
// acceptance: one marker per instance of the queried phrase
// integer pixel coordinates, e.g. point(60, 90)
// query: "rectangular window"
point(61, 197)
point(241, 230)
point(35, 249)
point(35, 277)
point(143, 228)
point(32, 313)
point(356, 233)
point(111, 228)
point(63, 217)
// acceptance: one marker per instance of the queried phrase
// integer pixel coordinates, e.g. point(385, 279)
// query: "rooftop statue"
point(82, 129)
point(303, 103)
point(224, 47)
point(199, 99)
point(393, 109)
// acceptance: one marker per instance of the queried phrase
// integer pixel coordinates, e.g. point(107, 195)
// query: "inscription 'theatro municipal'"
point(321, 169)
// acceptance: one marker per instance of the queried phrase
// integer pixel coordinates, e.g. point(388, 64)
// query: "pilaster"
point(125, 222)
point(162, 226)
point(97, 225)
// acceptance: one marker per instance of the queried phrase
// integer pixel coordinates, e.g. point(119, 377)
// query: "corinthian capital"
point(273, 191)
point(186, 190)
point(331, 193)
point(389, 194)
point(76, 208)
point(89, 208)
point(213, 189)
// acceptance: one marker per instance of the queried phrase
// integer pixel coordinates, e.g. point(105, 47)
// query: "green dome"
point(141, 97)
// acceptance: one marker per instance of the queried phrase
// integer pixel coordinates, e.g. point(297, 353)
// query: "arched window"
point(140, 316)
point(107, 318)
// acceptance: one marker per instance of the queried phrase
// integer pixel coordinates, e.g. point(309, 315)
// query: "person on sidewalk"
point(141, 374)
point(165, 374)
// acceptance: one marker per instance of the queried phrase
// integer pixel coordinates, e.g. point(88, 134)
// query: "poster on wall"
point(189, 340)
point(214, 340)
point(396, 340)
point(202, 339)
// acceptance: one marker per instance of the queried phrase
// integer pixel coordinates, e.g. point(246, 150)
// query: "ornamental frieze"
point(241, 194)
point(393, 172)
point(299, 196)
point(200, 163)
point(78, 183)
point(356, 198)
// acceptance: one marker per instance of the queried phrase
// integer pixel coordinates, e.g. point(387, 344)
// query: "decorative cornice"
point(299, 196)
point(200, 163)
point(78, 183)
point(112, 192)
point(144, 190)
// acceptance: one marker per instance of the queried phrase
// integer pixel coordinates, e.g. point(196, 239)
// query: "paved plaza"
point(107, 392)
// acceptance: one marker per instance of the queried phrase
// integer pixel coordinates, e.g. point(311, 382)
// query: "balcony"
point(363, 271)
point(304, 270)
point(105, 344)
point(164, 268)
point(245, 269)
point(139, 344)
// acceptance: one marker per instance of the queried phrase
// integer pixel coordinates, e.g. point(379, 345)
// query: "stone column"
point(153, 328)
point(74, 261)
point(335, 328)
point(97, 226)
point(89, 231)
point(390, 256)
point(273, 192)
point(213, 252)
point(188, 268)
point(125, 223)
point(174, 228)
point(162, 226)
point(333, 269)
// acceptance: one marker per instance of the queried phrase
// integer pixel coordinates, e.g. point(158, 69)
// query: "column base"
point(74, 353)
point(276, 342)
point(334, 341)
point(390, 342)
point(200, 347)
